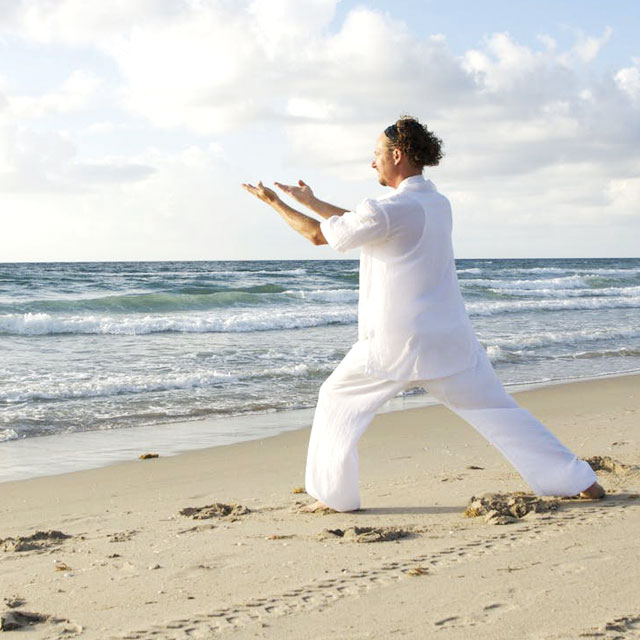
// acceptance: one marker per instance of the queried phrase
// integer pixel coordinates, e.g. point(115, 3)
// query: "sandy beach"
point(107, 553)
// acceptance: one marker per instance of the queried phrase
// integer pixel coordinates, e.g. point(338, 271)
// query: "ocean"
point(134, 351)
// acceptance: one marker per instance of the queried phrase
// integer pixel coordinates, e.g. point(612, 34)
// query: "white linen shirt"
point(410, 309)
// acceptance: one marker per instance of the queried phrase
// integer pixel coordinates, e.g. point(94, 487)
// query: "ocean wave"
point(121, 385)
point(187, 298)
point(295, 370)
point(569, 270)
point(152, 302)
point(575, 337)
point(569, 293)
point(300, 271)
point(72, 390)
point(633, 271)
point(325, 295)
point(246, 321)
point(622, 352)
point(496, 307)
point(292, 370)
point(498, 354)
point(347, 276)
point(568, 282)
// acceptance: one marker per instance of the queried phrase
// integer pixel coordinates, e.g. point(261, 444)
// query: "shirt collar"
point(414, 183)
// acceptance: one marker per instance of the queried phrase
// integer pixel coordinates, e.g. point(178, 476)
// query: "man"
point(413, 329)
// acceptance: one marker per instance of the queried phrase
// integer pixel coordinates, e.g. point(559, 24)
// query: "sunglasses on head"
point(392, 133)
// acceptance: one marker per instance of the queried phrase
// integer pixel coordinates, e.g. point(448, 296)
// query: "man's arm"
point(304, 225)
point(304, 195)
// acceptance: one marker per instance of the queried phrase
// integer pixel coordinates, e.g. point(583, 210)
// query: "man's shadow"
point(610, 501)
point(422, 510)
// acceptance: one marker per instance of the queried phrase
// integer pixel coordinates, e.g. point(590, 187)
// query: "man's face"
point(383, 160)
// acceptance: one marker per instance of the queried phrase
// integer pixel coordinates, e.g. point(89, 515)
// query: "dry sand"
point(126, 563)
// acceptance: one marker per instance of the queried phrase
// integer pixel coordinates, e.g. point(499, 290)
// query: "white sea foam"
point(631, 271)
point(291, 370)
point(295, 370)
point(115, 386)
point(570, 293)
point(300, 271)
point(568, 282)
point(263, 319)
point(498, 354)
point(610, 272)
point(325, 295)
point(286, 272)
point(494, 352)
point(118, 385)
point(532, 270)
point(496, 307)
point(622, 352)
point(8, 434)
point(574, 337)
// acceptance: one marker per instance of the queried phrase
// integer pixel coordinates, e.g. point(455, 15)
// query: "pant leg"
point(347, 403)
point(477, 396)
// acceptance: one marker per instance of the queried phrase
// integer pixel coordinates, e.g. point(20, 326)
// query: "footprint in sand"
point(505, 508)
point(367, 534)
point(14, 602)
point(122, 536)
point(623, 627)
point(17, 620)
point(608, 464)
point(13, 620)
point(39, 541)
point(215, 510)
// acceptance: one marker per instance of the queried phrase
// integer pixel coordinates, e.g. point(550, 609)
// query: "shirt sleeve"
point(367, 224)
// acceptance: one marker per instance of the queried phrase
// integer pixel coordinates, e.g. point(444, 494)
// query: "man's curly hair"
point(421, 146)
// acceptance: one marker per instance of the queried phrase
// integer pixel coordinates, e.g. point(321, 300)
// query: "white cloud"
point(502, 64)
point(305, 108)
point(33, 161)
point(588, 47)
point(75, 94)
point(110, 170)
point(283, 27)
point(78, 22)
point(531, 134)
point(625, 194)
point(628, 80)
point(186, 209)
point(213, 66)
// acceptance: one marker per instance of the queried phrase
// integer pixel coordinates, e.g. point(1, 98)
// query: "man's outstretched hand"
point(302, 193)
point(263, 193)
point(304, 225)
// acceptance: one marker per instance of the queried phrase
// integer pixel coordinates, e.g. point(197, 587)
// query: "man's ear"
point(397, 155)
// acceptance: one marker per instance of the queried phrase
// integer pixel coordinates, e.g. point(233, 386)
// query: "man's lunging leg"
point(477, 395)
point(347, 403)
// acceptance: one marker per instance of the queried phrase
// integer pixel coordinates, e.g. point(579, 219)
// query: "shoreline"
point(136, 565)
point(44, 456)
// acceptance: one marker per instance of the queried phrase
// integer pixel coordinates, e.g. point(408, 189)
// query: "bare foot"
point(316, 507)
point(595, 492)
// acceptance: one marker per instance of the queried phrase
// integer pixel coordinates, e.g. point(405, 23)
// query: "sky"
point(127, 128)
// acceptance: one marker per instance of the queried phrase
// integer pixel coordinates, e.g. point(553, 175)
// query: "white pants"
point(349, 399)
